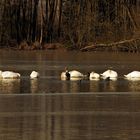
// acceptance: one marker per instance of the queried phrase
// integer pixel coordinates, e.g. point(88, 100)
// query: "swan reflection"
point(94, 85)
point(34, 85)
point(134, 84)
point(10, 85)
point(71, 86)
point(110, 85)
point(75, 86)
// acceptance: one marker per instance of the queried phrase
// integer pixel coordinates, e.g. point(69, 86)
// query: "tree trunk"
point(34, 20)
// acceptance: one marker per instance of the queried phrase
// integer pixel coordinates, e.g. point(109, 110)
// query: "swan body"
point(10, 75)
point(111, 74)
point(75, 74)
point(94, 76)
point(34, 74)
point(133, 74)
point(71, 75)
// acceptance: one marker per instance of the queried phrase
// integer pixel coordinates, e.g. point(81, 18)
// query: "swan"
point(75, 74)
point(111, 74)
point(94, 76)
point(10, 75)
point(34, 74)
point(71, 75)
point(133, 75)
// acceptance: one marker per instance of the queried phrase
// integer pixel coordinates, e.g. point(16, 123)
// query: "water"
point(51, 64)
point(50, 109)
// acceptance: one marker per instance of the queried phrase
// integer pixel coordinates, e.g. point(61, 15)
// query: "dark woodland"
point(75, 23)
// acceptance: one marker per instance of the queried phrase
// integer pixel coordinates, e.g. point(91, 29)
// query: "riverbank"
point(33, 46)
point(131, 45)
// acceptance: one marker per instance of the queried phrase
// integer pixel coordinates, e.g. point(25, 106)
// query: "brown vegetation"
point(38, 46)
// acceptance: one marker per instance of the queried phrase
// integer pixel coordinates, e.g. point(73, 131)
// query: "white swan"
point(71, 75)
point(75, 74)
point(34, 74)
point(94, 76)
point(10, 75)
point(111, 74)
point(133, 75)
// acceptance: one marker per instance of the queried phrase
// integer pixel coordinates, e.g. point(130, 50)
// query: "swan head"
point(34, 74)
point(88, 74)
point(65, 75)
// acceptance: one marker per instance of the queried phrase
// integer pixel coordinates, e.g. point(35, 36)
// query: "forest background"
point(75, 23)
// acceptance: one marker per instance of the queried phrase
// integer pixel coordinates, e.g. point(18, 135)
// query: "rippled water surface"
point(50, 109)
point(50, 65)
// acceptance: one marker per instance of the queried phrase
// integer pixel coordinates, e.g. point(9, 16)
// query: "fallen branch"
point(125, 45)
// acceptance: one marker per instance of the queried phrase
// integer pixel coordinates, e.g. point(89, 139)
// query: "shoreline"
point(131, 45)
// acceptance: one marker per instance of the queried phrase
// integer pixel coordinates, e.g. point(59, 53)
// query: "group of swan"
point(15, 75)
point(75, 75)
point(108, 74)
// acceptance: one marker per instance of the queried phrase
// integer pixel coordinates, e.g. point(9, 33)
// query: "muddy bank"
point(33, 46)
point(131, 45)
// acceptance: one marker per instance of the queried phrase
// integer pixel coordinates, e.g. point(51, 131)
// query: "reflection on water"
point(134, 85)
point(47, 85)
point(110, 85)
point(71, 86)
point(94, 85)
point(34, 85)
point(69, 110)
point(50, 65)
point(10, 85)
point(74, 116)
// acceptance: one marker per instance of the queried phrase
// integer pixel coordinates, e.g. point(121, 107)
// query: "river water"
point(48, 108)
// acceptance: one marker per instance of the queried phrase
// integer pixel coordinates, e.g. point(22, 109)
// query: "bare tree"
point(75, 22)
